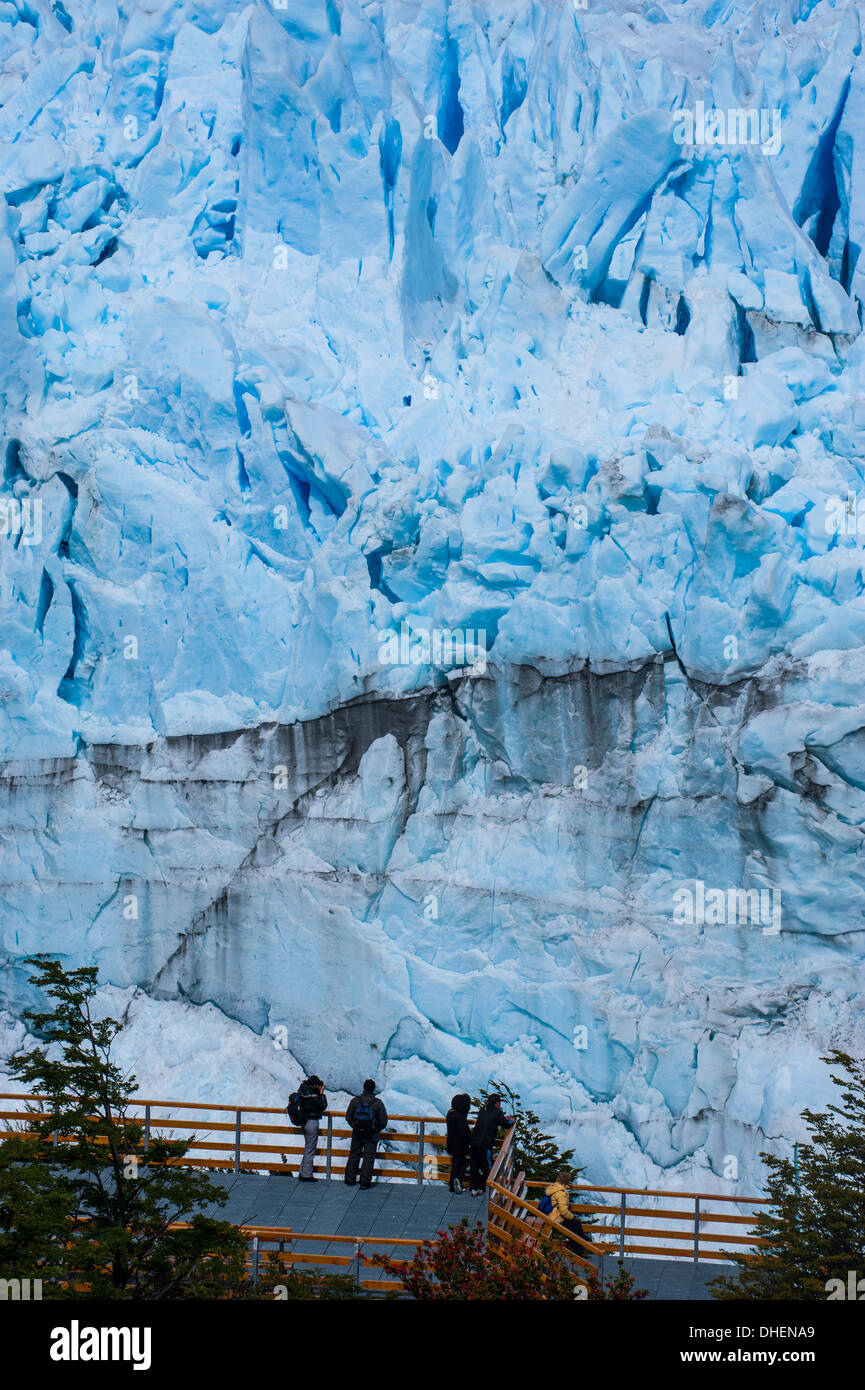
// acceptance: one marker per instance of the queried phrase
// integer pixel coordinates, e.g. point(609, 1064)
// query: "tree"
point(83, 1205)
point(35, 1212)
point(292, 1285)
point(459, 1264)
point(618, 1288)
point(535, 1153)
point(814, 1228)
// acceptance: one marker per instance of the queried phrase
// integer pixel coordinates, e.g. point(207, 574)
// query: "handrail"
point(286, 1233)
point(226, 1146)
point(214, 1105)
point(646, 1191)
point(230, 1143)
point(264, 1259)
point(528, 1234)
point(551, 1221)
point(695, 1220)
point(504, 1157)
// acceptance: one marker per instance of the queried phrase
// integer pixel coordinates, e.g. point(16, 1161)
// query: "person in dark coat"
point(312, 1104)
point(459, 1135)
point(491, 1118)
point(367, 1117)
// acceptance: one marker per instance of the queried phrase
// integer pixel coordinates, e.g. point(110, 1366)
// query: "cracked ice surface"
point(318, 319)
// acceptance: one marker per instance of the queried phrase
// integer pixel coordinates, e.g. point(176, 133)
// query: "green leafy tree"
point(35, 1213)
point(535, 1153)
point(82, 1204)
point(814, 1227)
point(292, 1285)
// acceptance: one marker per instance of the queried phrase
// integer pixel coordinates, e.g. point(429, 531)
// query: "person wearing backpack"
point(305, 1109)
point(458, 1139)
point(367, 1117)
point(491, 1118)
point(556, 1202)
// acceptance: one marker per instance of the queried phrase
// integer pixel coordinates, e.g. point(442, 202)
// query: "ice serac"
point(613, 191)
point(431, 551)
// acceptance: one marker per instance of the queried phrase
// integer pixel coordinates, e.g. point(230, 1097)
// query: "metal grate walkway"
point(398, 1209)
point(666, 1281)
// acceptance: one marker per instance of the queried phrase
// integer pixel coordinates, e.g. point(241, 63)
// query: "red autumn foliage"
point(619, 1287)
point(460, 1264)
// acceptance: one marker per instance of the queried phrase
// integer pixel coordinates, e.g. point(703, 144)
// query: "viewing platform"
point(673, 1242)
point(390, 1212)
point(399, 1209)
point(330, 1228)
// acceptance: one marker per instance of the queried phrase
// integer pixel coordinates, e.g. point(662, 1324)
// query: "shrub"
point(460, 1264)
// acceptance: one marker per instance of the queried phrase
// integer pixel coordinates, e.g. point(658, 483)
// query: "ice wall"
point(528, 323)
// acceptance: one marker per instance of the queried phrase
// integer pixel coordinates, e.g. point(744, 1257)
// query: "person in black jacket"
point(312, 1104)
point(367, 1117)
point(491, 1118)
point(458, 1139)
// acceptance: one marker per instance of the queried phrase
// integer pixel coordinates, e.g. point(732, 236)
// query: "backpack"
point(364, 1118)
point(295, 1110)
point(546, 1205)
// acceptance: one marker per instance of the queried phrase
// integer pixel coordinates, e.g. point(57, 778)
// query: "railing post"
point(358, 1272)
point(237, 1132)
point(329, 1144)
point(696, 1229)
point(421, 1134)
point(255, 1259)
point(146, 1128)
point(622, 1214)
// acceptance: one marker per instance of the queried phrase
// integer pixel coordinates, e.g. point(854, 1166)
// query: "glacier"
point(327, 321)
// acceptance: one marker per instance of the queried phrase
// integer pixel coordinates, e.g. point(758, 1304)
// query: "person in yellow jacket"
point(559, 1195)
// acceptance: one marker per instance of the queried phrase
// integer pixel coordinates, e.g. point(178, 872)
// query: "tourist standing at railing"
point(459, 1137)
point(305, 1108)
point(491, 1118)
point(367, 1116)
